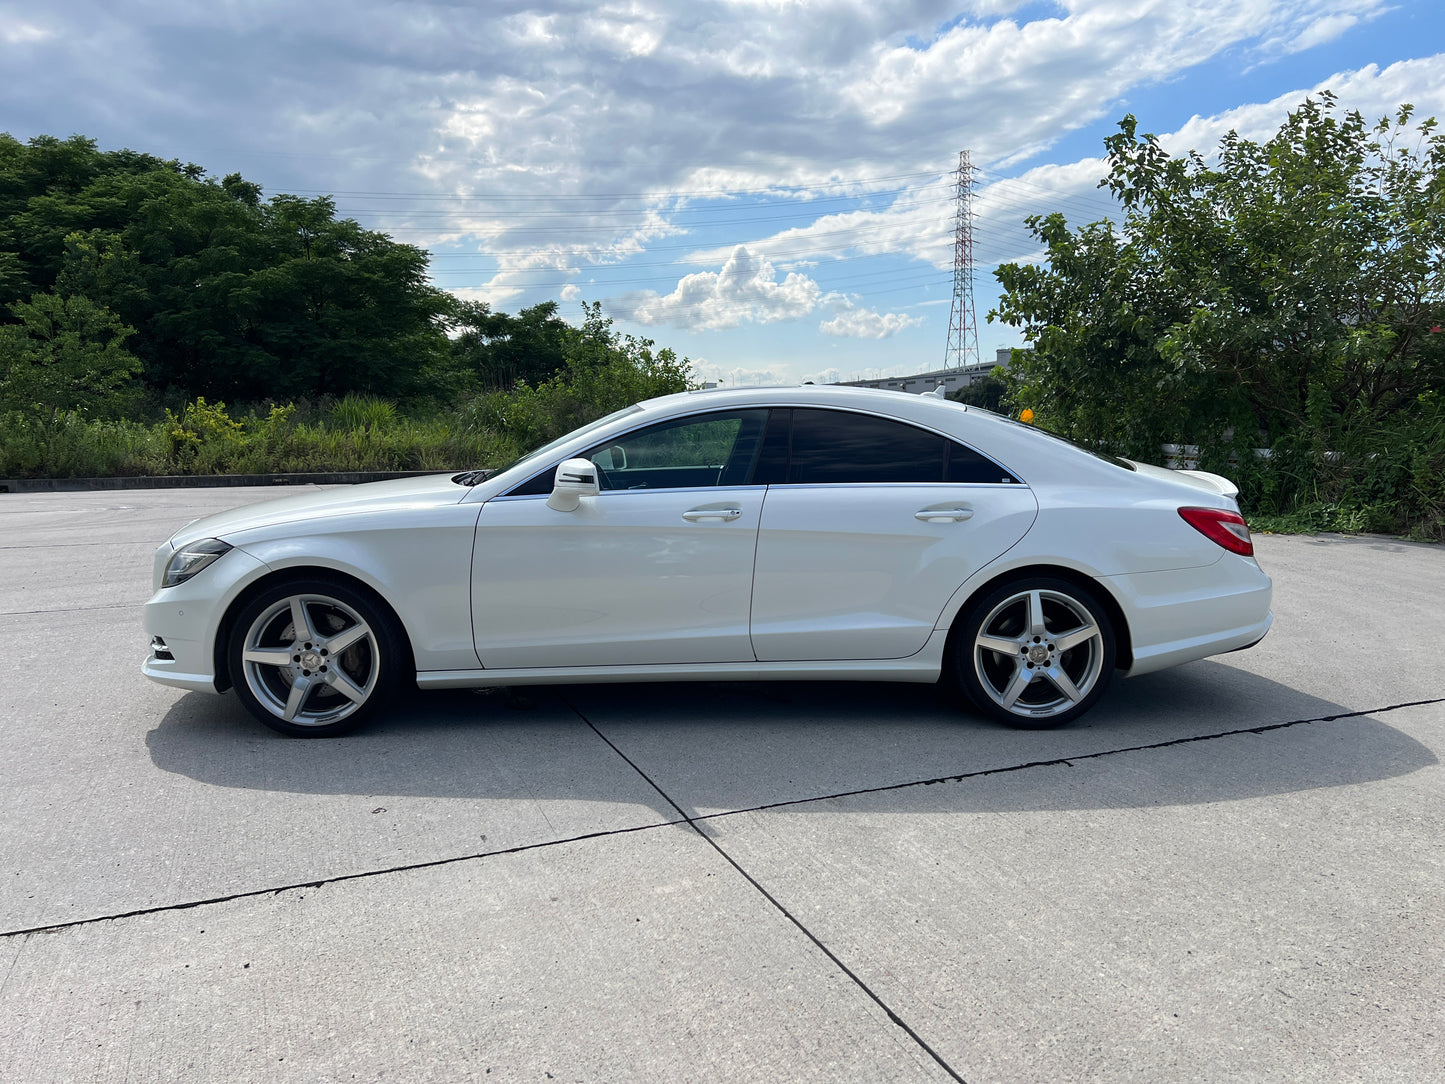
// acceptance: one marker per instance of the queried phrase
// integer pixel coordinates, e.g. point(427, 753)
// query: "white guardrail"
point(1186, 456)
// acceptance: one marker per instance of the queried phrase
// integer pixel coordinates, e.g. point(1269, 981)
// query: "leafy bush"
point(605, 371)
point(1284, 295)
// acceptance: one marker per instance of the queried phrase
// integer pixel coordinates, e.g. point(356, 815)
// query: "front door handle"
point(693, 515)
point(951, 514)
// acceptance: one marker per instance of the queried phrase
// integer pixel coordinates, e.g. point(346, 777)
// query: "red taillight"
point(1226, 529)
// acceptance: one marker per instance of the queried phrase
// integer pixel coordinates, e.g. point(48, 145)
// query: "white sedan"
point(814, 532)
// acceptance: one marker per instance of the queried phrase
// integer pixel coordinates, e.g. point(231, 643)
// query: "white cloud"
point(547, 139)
point(745, 289)
point(1304, 24)
point(1321, 31)
point(19, 32)
point(769, 103)
point(866, 324)
point(760, 95)
point(921, 227)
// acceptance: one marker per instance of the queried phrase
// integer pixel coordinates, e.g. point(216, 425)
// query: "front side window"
point(687, 453)
point(716, 449)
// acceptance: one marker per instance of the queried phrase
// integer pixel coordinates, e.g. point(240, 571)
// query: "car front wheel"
point(313, 658)
point(1035, 653)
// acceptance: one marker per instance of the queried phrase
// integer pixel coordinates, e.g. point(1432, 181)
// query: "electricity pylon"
point(962, 324)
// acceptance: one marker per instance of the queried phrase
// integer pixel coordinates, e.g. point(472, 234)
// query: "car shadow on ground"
point(717, 746)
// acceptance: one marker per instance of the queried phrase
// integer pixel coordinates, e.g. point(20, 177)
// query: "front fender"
point(421, 567)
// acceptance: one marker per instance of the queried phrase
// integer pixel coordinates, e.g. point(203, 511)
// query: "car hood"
point(398, 494)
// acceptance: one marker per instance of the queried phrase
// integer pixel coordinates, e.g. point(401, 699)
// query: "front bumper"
point(187, 619)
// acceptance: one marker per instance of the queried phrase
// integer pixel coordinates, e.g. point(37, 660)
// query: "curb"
point(204, 481)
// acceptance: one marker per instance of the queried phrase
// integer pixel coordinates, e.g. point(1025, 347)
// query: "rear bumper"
point(1191, 613)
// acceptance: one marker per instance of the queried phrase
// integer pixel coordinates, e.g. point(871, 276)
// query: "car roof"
point(945, 415)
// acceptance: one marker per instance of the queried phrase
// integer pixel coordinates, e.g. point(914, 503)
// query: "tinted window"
point(966, 465)
point(772, 468)
point(829, 446)
point(833, 446)
point(706, 450)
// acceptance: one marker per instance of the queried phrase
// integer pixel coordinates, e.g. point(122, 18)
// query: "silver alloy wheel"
point(1038, 653)
point(311, 660)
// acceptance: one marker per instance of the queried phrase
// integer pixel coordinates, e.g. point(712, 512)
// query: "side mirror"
point(575, 479)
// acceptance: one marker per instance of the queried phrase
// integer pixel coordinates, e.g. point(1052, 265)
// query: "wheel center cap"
point(310, 660)
point(1038, 653)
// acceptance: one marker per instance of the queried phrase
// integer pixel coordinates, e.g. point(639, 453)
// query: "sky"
point(768, 187)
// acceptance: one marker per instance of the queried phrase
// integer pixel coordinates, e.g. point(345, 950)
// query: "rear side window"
point(833, 446)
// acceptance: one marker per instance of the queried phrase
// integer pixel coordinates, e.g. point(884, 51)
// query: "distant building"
point(951, 379)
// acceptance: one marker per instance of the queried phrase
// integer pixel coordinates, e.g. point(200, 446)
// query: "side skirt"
point(924, 667)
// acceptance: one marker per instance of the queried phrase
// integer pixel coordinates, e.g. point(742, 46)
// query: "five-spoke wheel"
point(1035, 653)
point(313, 658)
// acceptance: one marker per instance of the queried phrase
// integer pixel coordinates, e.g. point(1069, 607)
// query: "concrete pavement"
point(1228, 871)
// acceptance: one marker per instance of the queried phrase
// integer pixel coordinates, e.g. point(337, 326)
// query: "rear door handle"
point(693, 515)
point(951, 514)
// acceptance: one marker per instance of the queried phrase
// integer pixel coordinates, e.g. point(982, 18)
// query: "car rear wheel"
point(1035, 653)
point(310, 658)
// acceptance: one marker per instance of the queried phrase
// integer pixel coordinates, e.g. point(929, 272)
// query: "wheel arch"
point(293, 574)
point(1123, 640)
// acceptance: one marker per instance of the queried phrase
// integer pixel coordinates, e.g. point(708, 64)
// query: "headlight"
point(188, 560)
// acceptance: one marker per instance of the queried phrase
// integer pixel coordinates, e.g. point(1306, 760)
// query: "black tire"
point(1034, 653)
point(348, 659)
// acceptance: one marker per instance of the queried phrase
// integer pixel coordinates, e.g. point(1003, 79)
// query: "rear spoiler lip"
point(1224, 485)
point(1201, 480)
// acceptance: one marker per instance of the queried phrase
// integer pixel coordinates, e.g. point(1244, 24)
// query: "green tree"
point(230, 295)
point(992, 392)
point(604, 371)
point(496, 350)
point(66, 353)
point(1287, 294)
point(1287, 290)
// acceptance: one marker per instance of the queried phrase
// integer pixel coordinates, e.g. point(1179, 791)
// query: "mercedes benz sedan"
point(815, 532)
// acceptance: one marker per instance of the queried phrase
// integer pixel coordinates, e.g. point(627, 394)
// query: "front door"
point(656, 569)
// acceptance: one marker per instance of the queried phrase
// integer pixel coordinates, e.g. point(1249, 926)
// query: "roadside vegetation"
point(157, 321)
point(1280, 306)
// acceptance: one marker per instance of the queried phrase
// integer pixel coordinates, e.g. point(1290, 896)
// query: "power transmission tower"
point(962, 324)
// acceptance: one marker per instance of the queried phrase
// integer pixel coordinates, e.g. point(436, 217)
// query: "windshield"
point(541, 453)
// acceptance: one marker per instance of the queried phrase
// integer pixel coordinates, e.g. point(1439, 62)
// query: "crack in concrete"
point(1069, 761)
point(692, 821)
point(777, 904)
point(71, 609)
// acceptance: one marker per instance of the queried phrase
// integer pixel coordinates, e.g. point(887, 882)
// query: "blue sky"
point(763, 185)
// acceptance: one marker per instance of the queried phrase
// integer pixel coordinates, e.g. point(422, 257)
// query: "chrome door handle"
point(692, 515)
point(944, 515)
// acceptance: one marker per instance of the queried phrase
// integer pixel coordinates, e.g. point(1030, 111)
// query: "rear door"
point(869, 528)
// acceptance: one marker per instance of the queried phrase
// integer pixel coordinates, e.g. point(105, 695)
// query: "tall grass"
point(205, 439)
